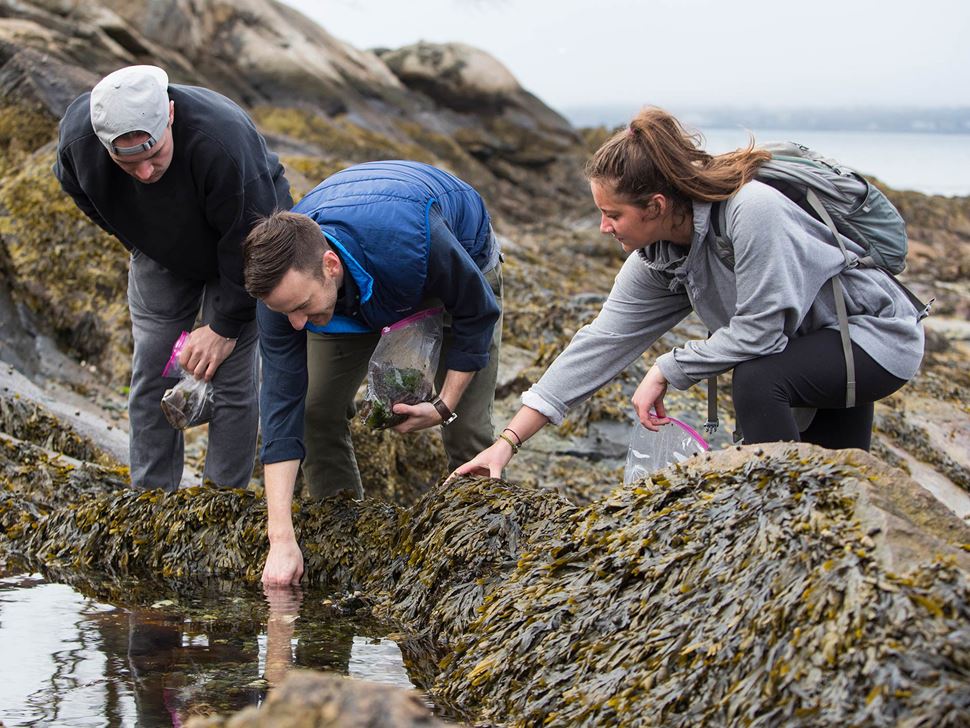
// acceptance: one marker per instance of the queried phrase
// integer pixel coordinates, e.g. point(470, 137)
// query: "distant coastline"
point(896, 120)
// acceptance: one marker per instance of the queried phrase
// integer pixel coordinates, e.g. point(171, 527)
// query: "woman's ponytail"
point(655, 154)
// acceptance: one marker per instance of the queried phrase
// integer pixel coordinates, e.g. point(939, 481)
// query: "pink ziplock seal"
point(172, 367)
point(688, 429)
point(692, 432)
point(412, 319)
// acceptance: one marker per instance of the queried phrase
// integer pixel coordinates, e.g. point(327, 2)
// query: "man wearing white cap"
point(181, 196)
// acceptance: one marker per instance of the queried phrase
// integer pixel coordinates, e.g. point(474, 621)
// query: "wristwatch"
point(447, 416)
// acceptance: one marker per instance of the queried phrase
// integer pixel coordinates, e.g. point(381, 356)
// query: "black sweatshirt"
point(194, 219)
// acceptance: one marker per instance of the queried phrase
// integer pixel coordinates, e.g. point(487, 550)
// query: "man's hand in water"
point(284, 564)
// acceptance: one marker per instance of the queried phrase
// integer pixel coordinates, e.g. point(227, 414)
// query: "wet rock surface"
point(313, 700)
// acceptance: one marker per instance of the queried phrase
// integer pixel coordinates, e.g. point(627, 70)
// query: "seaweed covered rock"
point(395, 468)
point(35, 482)
point(202, 532)
point(717, 594)
point(457, 544)
point(66, 267)
point(453, 538)
point(306, 698)
point(784, 584)
point(24, 419)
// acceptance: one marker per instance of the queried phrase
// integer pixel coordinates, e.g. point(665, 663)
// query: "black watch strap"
point(447, 416)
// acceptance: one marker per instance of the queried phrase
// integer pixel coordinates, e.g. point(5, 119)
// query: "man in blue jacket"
point(369, 246)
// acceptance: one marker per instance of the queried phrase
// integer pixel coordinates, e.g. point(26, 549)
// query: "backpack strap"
point(839, 294)
point(710, 427)
point(718, 218)
point(823, 215)
point(842, 315)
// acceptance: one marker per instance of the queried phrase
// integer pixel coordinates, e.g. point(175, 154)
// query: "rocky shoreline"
point(557, 595)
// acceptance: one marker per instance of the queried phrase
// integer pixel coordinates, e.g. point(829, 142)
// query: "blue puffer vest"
point(377, 213)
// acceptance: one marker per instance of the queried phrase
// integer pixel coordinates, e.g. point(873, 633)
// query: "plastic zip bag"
point(188, 403)
point(402, 367)
point(649, 451)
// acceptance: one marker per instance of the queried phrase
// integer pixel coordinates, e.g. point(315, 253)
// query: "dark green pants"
point(337, 365)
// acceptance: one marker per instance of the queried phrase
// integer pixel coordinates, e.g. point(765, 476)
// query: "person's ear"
point(331, 263)
point(171, 112)
point(656, 206)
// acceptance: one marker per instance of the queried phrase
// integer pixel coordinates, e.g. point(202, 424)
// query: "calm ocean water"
point(934, 164)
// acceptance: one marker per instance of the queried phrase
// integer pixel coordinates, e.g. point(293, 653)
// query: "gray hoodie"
point(776, 291)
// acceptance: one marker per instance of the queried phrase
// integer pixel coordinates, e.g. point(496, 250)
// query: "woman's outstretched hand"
point(489, 461)
point(648, 400)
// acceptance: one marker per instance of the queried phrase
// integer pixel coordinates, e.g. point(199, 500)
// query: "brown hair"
point(655, 154)
point(278, 243)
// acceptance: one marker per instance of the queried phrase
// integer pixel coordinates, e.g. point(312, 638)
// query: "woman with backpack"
point(765, 296)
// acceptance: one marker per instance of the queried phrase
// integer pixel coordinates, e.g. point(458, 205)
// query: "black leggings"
point(810, 372)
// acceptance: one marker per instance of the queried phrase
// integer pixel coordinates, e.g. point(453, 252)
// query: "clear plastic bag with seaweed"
point(402, 367)
point(650, 451)
point(188, 403)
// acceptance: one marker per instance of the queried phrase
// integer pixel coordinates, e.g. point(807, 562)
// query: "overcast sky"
point(574, 53)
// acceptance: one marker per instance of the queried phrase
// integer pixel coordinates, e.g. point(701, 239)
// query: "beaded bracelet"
point(515, 448)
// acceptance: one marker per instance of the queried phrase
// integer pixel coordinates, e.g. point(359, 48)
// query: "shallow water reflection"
point(74, 660)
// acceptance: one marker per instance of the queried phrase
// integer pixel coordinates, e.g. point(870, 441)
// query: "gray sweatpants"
point(337, 365)
point(163, 305)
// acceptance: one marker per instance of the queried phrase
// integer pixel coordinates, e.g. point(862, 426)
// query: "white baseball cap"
point(134, 98)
